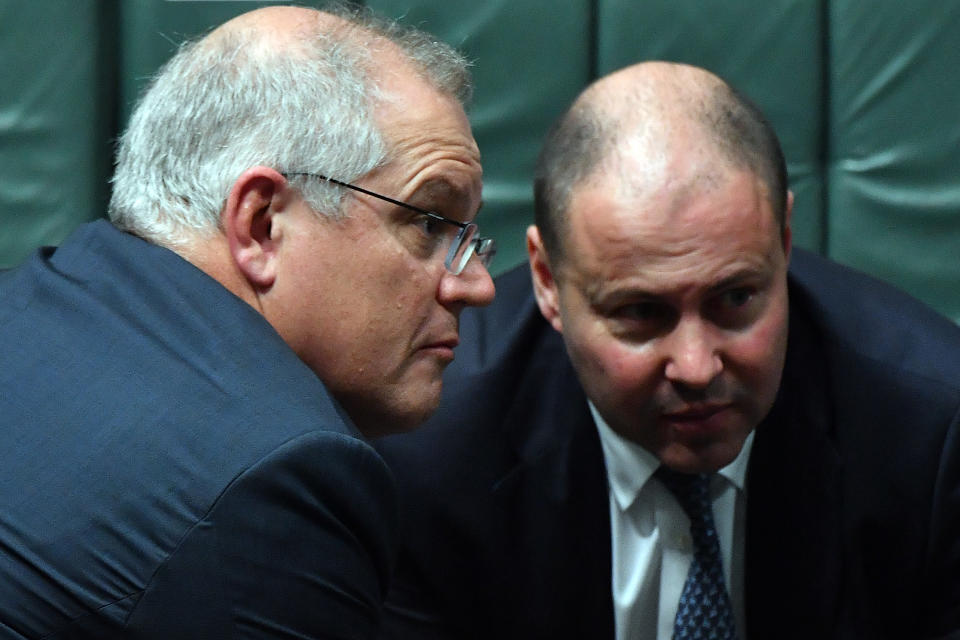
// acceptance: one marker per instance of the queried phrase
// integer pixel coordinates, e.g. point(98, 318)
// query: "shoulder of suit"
point(858, 314)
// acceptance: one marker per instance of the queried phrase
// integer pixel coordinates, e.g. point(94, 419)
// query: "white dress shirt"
point(651, 543)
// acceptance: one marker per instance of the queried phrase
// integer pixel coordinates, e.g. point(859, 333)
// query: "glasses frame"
point(483, 248)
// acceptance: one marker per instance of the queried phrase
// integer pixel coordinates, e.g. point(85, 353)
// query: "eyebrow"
point(443, 190)
point(595, 292)
point(740, 277)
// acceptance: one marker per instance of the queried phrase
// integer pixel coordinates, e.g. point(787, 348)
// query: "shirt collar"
point(630, 466)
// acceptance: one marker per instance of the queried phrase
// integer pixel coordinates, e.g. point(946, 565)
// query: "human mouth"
point(441, 348)
point(699, 419)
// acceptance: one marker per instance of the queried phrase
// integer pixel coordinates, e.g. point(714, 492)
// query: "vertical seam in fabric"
point(825, 152)
point(593, 50)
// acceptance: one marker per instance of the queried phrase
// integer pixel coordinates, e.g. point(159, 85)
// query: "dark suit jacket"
point(168, 467)
point(853, 485)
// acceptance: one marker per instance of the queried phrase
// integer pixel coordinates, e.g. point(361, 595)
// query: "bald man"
point(661, 430)
point(187, 388)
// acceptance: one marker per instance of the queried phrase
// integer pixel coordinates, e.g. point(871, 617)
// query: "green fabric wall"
point(769, 50)
point(893, 162)
point(861, 94)
point(56, 117)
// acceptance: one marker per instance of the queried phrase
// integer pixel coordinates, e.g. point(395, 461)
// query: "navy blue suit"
point(853, 488)
point(168, 467)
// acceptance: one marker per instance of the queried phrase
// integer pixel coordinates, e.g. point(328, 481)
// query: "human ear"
point(544, 284)
point(247, 220)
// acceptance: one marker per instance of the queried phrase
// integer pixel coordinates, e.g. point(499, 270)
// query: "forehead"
point(431, 150)
point(416, 114)
point(412, 112)
point(681, 234)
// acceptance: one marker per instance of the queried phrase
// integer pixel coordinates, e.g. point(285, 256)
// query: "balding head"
point(654, 112)
point(290, 88)
point(277, 26)
point(388, 44)
point(278, 23)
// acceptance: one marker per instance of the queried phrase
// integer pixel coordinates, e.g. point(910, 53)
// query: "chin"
point(707, 459)
point(375, 423)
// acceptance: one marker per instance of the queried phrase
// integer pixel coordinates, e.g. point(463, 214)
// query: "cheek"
point(411, 290)
point(413, 302)
point(620, 374)
point(758, 356)
point(633, 371)
point(397, 292)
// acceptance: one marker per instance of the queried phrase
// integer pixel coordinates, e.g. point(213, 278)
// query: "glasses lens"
point(486, 249)
point(461, 249)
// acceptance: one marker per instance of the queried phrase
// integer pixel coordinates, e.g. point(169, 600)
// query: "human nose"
point(471, 287)
point(692, 356)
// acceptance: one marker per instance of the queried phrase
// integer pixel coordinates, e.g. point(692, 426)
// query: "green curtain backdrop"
point(862, 95)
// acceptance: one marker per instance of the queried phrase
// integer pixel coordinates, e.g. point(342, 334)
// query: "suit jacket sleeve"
point(410, 615)
point(298, 546)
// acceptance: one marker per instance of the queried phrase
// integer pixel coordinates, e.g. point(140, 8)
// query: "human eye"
point(429, 226)
point(735, 307)
point(423, 234)
point(737, 297)
point(645, 311)
point(642, 320)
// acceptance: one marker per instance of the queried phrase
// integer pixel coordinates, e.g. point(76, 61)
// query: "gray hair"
point(588, 134)
point(224, 104)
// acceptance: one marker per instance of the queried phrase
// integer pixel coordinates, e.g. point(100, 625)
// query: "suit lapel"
point(793, 539)
point(557, 496)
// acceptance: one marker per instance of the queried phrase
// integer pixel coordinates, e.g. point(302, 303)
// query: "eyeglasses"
point(465, 244)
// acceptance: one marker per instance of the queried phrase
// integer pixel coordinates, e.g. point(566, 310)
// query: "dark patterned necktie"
point(704, 612)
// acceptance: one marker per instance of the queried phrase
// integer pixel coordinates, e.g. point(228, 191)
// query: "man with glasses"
point(186, 388)
point(660, 430)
